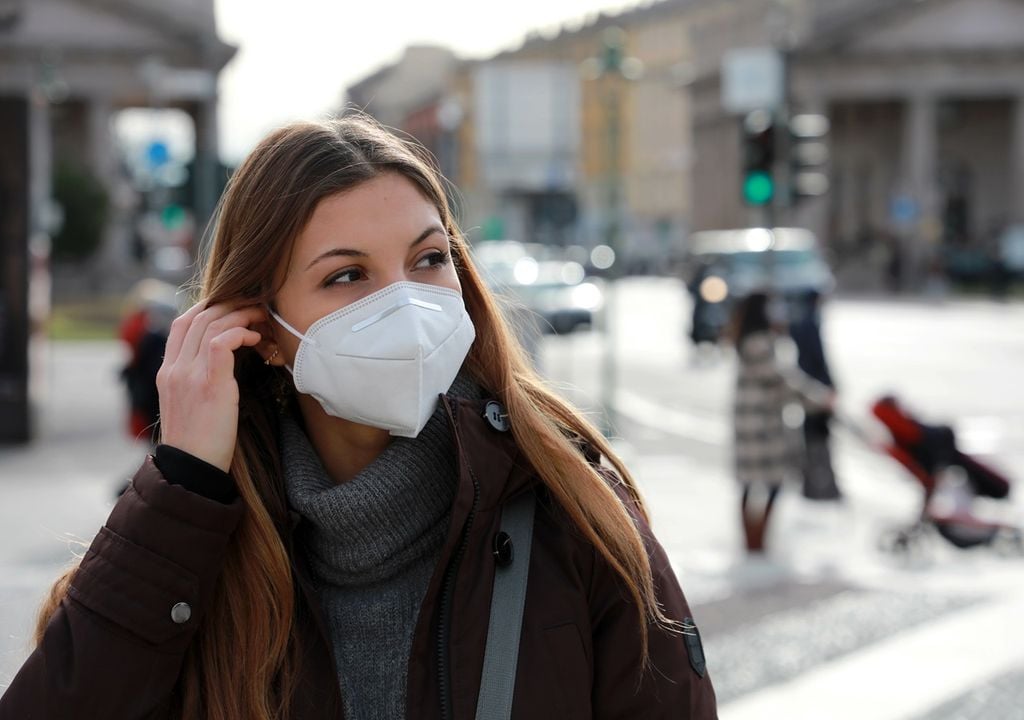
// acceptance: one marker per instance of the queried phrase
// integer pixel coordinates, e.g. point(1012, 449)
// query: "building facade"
point(411, 95)
point(926, 103)
point(630, 145)
point(923, 98)
point(528, 135)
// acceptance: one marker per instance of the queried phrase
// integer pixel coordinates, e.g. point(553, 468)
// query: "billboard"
point(527, 116)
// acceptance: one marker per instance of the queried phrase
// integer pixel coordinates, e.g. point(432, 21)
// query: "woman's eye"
point(433, 259)
point(345, 276)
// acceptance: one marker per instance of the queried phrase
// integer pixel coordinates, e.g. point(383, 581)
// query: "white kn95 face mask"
point(382, 361)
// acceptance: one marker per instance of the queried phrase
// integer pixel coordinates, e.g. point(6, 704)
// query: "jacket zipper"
point(447, 593)
point(444, 626)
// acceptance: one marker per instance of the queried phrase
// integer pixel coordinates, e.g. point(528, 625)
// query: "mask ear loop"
point(289, 328)
point(293, 331)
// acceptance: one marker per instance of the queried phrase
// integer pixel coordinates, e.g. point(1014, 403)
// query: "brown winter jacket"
point(113, 650)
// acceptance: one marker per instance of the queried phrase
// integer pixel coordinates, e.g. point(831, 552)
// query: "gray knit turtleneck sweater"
point(372, 544)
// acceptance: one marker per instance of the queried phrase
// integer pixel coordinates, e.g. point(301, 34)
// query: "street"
point(828, 618)
point(826, 626)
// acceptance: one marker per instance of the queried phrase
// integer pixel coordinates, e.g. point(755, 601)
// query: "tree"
point(85, 203)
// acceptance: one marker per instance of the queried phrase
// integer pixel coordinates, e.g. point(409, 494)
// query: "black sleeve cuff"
point(180, 468)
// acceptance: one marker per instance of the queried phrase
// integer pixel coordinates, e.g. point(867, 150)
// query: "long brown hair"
point(242, 661)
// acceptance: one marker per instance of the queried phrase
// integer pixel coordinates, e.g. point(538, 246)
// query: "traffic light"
point(808, 156)
point(758, 157)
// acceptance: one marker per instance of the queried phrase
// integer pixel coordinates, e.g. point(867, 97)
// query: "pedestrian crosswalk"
point(906, 674)
point(880, 637)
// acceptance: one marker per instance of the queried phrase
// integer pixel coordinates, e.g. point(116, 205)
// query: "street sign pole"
point(612, 68)
point(609, 375)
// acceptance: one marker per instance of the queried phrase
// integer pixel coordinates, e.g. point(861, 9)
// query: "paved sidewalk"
point(56, 492)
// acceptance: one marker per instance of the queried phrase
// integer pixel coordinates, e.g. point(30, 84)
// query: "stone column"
point(1017, 163)
point(21, 407)
point(40, 163)
point(101, 155)
point(114, 258)
point(207, 162)
point(920, 150)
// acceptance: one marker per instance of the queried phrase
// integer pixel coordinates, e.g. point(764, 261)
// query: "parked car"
point(722, 266)
point(561, 295)
point(997, 263)
point(1011, 251)
point(556, 291)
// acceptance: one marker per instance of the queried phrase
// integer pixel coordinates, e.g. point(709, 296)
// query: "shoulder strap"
point(506, 621)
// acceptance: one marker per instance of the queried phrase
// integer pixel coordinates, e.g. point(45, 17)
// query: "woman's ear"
point(267, 347)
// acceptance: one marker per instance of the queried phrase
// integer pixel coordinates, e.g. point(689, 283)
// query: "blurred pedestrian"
point(356, 460)
point(819, 479)
point(765, 385)
point(150, 309)
point(895, 266)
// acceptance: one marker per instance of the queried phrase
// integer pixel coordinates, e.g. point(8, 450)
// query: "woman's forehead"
point(386, 204)
point(387, 214)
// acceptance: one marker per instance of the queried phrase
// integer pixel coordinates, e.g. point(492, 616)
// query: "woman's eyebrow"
point(348, 252)
point(337, 252)
point(435, 228)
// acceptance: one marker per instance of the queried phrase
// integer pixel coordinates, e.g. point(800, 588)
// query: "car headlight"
point(713, 289)
point(526, 271)
point(587, 296)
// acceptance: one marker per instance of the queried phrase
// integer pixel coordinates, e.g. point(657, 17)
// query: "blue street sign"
point(157, 154)
point(903, 210)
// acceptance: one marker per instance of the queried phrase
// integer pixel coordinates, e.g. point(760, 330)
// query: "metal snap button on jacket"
point(181, 613)
point(503, 550)
point(496, 416)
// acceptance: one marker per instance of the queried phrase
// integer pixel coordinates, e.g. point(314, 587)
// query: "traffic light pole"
point(613, 68)
point(609, 379)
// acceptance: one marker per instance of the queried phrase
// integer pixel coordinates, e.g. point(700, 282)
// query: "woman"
point(764, 387)
point(345, 419)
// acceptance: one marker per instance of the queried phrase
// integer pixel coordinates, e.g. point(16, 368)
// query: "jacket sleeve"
point(675, 683)
point(114, 647)
point(813, 395)
point(763, 364)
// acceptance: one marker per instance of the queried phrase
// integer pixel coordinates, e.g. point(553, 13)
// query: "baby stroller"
point(951, 479)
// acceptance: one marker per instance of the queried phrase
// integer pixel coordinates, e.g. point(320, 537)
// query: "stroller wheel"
point(897, 541)
point(906, 543)
point(1009, 542)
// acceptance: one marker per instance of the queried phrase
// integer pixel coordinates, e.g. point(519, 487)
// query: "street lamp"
point(612, 66)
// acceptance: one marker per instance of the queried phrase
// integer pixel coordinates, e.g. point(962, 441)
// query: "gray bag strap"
point(509, 596)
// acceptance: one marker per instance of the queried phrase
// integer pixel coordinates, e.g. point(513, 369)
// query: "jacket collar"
point(488, 456)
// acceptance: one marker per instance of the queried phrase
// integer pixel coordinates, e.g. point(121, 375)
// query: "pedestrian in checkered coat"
point(765, 385)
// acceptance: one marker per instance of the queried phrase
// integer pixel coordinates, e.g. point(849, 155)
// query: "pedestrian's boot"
point(753, 532)
point(819, 477)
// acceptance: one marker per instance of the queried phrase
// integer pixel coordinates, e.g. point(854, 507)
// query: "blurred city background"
point(625, 174)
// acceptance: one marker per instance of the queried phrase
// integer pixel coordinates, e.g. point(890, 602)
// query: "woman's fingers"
point(198, 393)
point(221, 352)
point(179, 328)
point(240, 318)
point(197, 328)
point(212, 322)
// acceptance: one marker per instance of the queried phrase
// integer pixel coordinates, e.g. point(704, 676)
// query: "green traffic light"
point(172, 216)
point(758, 188)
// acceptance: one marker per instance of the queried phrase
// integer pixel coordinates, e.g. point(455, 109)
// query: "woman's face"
point(356, 243)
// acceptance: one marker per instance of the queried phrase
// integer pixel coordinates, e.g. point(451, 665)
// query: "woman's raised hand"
point(198, 392)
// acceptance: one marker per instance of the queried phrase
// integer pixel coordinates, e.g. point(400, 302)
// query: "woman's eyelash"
point(441, 258)
point(347, 271)
point(438, 259)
